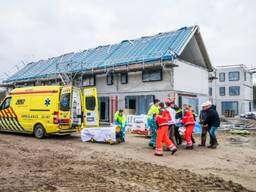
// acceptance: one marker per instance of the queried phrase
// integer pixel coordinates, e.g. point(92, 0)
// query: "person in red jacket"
point(189, 122)
point(162, 132)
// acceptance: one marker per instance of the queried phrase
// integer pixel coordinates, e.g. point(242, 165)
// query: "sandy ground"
point(64, 163)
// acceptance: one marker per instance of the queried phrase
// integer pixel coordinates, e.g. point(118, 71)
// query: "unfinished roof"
point(163, 46)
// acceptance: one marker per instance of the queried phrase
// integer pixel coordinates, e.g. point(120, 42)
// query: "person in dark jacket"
point(202, 117)
point(212, 121)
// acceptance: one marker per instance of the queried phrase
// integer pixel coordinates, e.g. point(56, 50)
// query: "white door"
point(76, 110)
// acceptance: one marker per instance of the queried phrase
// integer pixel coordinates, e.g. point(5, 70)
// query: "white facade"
point(238, 86)
point(189, 81)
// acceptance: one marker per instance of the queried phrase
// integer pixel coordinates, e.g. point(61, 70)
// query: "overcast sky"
point(38, 29)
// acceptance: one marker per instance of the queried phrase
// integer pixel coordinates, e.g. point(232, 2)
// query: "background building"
point(132, 73)
point(232, 89)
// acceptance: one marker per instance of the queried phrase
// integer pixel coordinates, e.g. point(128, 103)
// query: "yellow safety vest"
point(119, 118)
point(153, 110)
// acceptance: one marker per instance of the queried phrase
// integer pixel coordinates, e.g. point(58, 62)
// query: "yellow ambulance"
point(42, 110)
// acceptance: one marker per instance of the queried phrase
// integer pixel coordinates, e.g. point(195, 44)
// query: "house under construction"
point(132, 73)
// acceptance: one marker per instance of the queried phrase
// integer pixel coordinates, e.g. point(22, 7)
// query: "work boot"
point(151, 145)
point(201, 145)
point(212, 146)
point(173, 150)
point(180, 142)
point(215, 144)
point(159, 152)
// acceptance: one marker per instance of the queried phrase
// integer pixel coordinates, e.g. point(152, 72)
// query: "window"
point(90, 103)
point(89, 81)
point(210, 91)
point(222, 77)
point(229, 106)
point(124, 78)
point(6, 104)
point(110, 79)
point(234, 90)
point(234, 76)
point(152, 75)
point(222, 91)
point(245, 76)
point(65, 102)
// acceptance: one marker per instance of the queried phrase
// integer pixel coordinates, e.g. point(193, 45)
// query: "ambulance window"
point(6, 103)
point(90, 103)
point(65, 102)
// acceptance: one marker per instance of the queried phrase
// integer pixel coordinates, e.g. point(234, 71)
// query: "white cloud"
point(33, 30)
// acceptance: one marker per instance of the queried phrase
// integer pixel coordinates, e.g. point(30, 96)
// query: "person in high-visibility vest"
point(120, 120)
point(163, 120)
point(153, 111)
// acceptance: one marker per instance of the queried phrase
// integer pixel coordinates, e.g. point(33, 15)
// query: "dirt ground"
point(64, 163)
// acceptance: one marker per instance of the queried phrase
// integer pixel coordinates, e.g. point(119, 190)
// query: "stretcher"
point(110, 135)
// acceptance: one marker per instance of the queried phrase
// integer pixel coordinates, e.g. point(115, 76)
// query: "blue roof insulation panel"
point(164, 46)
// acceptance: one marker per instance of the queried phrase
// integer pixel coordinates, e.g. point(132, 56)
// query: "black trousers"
point(174, 135)
point(204, 136)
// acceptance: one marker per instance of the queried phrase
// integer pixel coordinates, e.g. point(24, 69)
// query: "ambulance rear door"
point(63, 118)
point(90, 107)
point(76, 107)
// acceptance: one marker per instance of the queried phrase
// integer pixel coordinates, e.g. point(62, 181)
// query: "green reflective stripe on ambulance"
point(5, 124)
point(1, 124)
point(15, 119)
point(9, 120)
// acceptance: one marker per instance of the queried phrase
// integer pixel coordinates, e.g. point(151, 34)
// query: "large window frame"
point(234, 76)
point(234, 92)
point(229, 103)
point(150, 75)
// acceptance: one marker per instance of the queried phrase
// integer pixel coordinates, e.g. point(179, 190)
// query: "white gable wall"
point(190, 78)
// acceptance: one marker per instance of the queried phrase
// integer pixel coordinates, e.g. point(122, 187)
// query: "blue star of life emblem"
point(47, 102)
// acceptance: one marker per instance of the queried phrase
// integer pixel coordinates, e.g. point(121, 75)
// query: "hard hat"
point(206, 104)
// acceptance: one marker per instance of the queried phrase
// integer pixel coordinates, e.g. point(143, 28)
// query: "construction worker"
point(153, 111)
point(163, 120)
point(119, 119)
point(212, 121)
point(202, 118)
point(189, 123)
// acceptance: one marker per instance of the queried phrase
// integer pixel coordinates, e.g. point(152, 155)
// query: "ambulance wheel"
point(39, 131)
